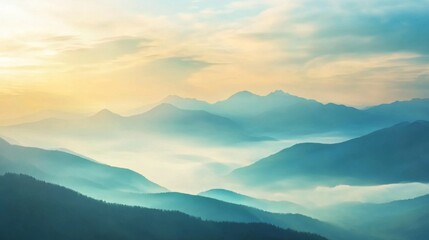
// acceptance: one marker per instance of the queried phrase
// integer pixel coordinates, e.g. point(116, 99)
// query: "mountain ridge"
point(61, 167)
point(60, 213)
point(359, 161)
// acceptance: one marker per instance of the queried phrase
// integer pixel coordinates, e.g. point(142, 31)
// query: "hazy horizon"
point(77, 57)
point(310, 116)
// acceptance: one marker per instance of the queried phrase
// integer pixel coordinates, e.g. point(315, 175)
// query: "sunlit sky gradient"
point(86, 55)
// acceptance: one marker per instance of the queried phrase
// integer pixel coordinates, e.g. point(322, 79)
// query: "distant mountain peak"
point(278, 92)
point(105, 113)
point(173, 98)
point(165, 107)
point(244, 94)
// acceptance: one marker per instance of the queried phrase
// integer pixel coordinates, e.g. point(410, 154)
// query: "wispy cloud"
point(328, 50)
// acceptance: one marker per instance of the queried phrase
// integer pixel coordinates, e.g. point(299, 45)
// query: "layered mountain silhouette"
point(123, 186)
point(244, 116)
point(401, 220)
point(168, 119)
point(280, 114)
point(392, 155)
point(237, 198)
point(396, 154)
point(71, 170)
point(216, 210)
point(414, 109)
point(33, 209)
point(164, 119)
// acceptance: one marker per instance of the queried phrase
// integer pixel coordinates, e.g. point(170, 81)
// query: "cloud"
point(172, 70)
point(347, 27)
point(101, 52)
point(15, 103)
point(417, 87)
point(328, 50)
point(322, 196)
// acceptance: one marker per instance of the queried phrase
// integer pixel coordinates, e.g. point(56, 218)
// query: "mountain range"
point(280, 114)
point(242, 117)
point(163, 120)
point(32, 209)
point(398, 220)
point(392, 155)
point(123, 186)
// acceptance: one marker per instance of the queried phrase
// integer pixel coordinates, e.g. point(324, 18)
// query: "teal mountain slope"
point(216, 210)
point(237, 198)
point(399, 111)
point(392, 155)
point(71, 171)
point(280, 114)
point(37, 210)
point(126, 187)
point(168, 119)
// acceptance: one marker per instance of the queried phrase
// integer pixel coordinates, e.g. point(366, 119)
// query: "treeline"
point(32, 209)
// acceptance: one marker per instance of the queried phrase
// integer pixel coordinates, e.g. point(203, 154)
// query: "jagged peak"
point(278, 92)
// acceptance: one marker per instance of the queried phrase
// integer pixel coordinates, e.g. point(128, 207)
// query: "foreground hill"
point(59, 213)
point(216, 210)
point(71, 170)
point(392, 155)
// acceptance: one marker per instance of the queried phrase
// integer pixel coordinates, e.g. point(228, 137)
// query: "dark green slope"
point(212, 209)
point(31, 209)
point(391, 155)
point(126, 187)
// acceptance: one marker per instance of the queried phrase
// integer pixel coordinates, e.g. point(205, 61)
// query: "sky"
point(82, 56)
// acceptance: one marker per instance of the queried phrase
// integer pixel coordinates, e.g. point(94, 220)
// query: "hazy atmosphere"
point(308, 119)
point(87, 55)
